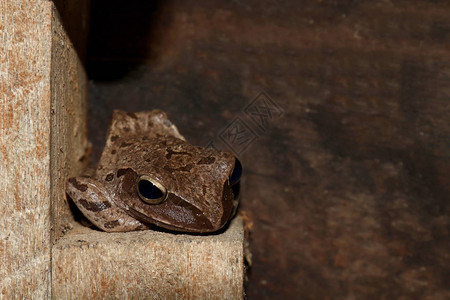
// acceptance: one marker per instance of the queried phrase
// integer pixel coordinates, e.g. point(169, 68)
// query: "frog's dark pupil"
point(149, 190)
point(237, 172)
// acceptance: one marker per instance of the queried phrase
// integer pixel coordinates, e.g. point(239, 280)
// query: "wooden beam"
point(89, 264)
point(42, 137)
point(69, 144)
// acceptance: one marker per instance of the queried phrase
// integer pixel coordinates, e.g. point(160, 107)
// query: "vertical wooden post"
point(42, 138)
point(68, 112)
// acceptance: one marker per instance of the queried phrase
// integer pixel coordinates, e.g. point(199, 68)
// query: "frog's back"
point(136, 129)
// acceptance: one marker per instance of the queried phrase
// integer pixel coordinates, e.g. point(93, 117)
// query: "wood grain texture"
point(42, 137)
point(69, 143)
point(25, 149)
point(90, 264)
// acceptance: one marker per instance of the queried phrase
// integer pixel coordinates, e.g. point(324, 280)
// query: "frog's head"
point(182, 187)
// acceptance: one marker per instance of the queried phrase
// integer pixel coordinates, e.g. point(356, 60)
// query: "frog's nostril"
point(237, 172)
point(150, 191)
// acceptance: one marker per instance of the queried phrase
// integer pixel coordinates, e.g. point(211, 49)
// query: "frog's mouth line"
point(179, 218)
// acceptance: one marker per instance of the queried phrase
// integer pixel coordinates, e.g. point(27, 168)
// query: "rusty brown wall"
point(347, 181)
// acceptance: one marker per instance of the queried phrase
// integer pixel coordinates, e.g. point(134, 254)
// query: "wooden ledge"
point(88, 264)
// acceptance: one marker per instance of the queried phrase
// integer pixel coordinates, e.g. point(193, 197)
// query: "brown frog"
point(148, 174)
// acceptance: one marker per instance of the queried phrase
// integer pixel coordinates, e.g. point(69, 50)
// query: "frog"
point(150, 177)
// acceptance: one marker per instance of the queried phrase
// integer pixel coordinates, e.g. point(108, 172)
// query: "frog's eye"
point(237, 172)
point(150, 190)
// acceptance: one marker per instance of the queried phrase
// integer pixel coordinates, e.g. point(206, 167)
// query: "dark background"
point(347, 187)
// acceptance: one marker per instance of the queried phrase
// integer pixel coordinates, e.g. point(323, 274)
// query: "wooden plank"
point(89, 264)
point(69, 142)
point(40, 94)
point(25, 149)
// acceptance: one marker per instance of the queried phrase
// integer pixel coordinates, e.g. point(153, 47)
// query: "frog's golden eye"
point(150, 191)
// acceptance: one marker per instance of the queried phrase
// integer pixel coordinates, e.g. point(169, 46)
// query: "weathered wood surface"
point(25, 149)
point(69, 144)
point(89, 264)
point(349, 189)
point(41, 90)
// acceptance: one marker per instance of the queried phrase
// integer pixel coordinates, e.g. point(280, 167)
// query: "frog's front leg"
point(95, 202)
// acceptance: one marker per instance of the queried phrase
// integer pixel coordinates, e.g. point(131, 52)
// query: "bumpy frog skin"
point(148, 174)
